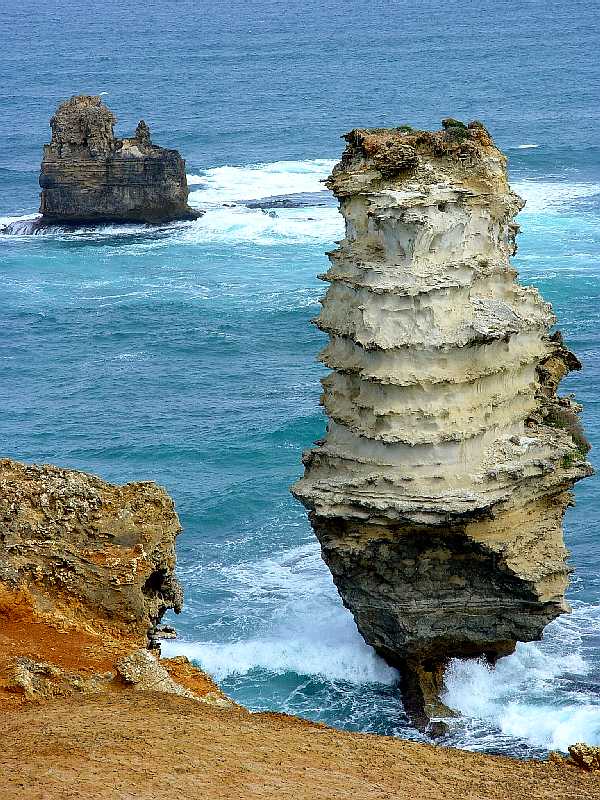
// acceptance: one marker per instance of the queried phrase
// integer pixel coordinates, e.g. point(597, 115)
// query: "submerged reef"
point(88, 175)
point(439, 491)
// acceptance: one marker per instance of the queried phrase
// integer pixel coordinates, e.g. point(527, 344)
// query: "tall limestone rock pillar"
point(439, 490)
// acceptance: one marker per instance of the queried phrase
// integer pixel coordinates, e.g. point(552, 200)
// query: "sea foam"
point(223, 190)
point(539, 693)
point(255, 181)
point(281, 226)
point(335, 653)
point(302, 628)
point(552, 197)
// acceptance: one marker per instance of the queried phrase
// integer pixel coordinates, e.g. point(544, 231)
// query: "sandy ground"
point(148, 746)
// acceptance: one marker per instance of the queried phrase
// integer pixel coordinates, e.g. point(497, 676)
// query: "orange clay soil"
point(147, 746)
point(25, 633)
point(62, 643)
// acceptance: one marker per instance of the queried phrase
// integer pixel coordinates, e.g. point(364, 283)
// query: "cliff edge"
point(89, 709)
point(86, 575)
point(439, 490)
point(88, 175)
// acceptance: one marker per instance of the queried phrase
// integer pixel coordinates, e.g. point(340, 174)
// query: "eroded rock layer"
point(87, 570)
point(88, 175)
point(439, 490)
point(74, 543)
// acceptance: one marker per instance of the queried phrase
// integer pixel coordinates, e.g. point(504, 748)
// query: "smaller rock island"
point(89, 176)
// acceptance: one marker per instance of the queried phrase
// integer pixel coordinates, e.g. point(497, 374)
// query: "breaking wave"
point(303, 628)
point(333, 653)
point(229, 184)
point(20, 226)
point(223, 191)
point(553, 197)
point(284, 226)
point(545, 694)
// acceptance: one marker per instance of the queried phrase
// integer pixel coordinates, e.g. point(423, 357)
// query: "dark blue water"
point(185, 355)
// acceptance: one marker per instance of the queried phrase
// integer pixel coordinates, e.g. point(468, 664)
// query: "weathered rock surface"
point(88, 175)
point(142, 670)
point(43, 680)
point(439, 491)
point(73, 541)
point(86, 574)
point(584, 756)
point(581, 756)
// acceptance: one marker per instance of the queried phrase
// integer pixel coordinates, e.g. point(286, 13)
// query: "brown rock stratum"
point(88, 175)
point(439, 491)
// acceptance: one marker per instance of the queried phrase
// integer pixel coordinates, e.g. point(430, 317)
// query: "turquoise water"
point(185, 354)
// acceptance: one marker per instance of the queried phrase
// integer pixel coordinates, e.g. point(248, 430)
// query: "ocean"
point(184, 354)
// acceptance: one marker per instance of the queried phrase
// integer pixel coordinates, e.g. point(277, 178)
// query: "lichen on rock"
point(439, 490)
point(89, 175)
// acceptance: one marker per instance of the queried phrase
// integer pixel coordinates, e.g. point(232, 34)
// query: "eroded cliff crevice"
point(439, 490)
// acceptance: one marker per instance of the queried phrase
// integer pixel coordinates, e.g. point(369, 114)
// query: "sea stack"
point(439, 491)
point(89, 176)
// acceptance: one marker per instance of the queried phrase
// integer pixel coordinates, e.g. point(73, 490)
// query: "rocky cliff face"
point(97, 551)
point(86, 574)
point(439, 491)
point(88, 175)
